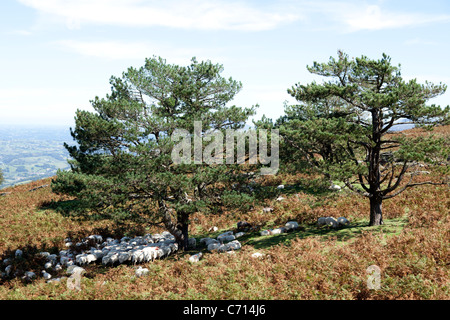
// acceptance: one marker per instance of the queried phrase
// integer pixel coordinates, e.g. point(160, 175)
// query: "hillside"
point(412, 248)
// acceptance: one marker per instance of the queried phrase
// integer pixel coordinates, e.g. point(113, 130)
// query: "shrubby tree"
point(123, 164)
point(340, 128)
point(1, 177)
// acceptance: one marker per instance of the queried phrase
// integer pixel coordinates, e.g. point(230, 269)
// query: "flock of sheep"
point(142, 249)
point(109, 252)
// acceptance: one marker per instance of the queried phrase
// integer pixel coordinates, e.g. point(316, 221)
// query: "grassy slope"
point(412, 249)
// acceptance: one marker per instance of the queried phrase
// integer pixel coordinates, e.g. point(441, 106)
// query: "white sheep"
point(192, 243)
point(29, 275)
point(266, 232)
point(112, 258)
point(278, 231)
point(321, 221)
point(211, 241)
point(137, 256)
point(226, 238)
point(18, 253)
point(281, 186)
point(124, 256)
point(342, 221)
point(159, 253)
point(213, 246)
point(149, 253)
point(234, 245)
point(331, 222)
point(205, 240)
point(81, 259)
point(141, 272)
point(196, 257)
point(291, 225)
point(97, 253)
point(48, 265)
point(8, 269)
point(75, 270)
point(44, 254)
point(46, 275)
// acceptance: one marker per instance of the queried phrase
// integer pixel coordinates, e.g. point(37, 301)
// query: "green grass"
point(343, 235)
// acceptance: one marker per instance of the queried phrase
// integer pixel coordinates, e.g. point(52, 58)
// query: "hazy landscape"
point(30, 153)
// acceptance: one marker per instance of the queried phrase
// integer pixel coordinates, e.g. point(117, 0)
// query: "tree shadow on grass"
point(344, 234)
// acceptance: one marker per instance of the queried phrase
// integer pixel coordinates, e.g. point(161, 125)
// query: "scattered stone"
point(267, 210)
point(239, 234)
point(257, 255)
point(335, 187)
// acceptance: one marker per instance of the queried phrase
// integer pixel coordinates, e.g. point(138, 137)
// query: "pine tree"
point(123, 164)
point(340, 127)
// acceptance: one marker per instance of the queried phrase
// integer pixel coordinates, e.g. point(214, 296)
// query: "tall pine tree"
point(123, 164)
point(341, 126)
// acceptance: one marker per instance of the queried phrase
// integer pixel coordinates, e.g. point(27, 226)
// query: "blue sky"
point(56, 55)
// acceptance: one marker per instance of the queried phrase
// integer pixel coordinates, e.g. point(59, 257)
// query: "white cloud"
point(348, 16)
point(108, 49)
point(195, 14)
point(418, 41)
point(374, 18)
point(20, 32)
point(120, 50)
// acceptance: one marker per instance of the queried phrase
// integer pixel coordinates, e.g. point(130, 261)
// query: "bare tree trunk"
point(178, 229)
point(376, 212)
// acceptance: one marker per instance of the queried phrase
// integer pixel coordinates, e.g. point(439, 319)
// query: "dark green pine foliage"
point(340, 127)
point(122, 166)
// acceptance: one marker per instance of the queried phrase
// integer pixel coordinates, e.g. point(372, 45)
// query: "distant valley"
point(32, 153)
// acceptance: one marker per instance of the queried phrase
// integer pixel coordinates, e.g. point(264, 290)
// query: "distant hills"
point(32, 153)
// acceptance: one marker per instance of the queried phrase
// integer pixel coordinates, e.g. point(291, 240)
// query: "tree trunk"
point(374, 176)
point(183, 226)
point(376, 213)
point(179, 229)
